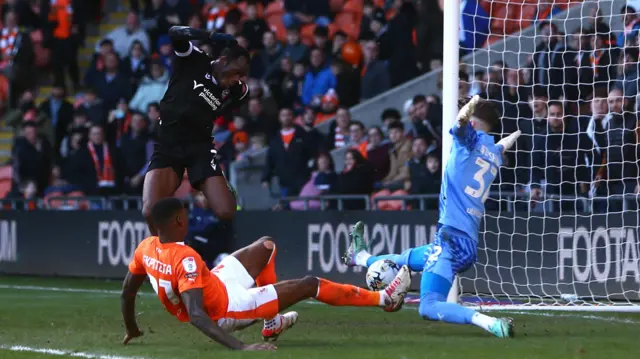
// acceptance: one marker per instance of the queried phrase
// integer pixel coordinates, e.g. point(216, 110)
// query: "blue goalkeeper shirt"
point(471, 169)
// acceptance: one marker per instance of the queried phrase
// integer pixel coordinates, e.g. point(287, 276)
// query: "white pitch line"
point(58, 352)
point(66, 290)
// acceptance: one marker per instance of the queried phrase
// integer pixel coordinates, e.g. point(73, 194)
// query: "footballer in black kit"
point(200, 90)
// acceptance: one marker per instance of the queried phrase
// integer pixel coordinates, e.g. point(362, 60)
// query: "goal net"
point(561, 229)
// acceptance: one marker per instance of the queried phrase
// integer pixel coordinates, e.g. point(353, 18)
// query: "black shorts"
point(197, 158)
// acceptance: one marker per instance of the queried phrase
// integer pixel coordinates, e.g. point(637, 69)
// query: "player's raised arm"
point(181, 37)
point(193, 299)
point(507, 142)
point(130, 287)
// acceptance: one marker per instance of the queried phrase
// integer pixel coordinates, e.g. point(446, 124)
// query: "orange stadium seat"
point(6, 174)
point(353, 6)
point(336, 5)
point(306, 33)
point(78, 203)
point(277, 26)
point(275, 8)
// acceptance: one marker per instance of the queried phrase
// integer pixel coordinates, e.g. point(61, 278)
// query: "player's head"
point(170, 217)
point(232, 65)
point(484, 117)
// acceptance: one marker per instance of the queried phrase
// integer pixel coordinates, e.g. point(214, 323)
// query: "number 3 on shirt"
point(166, 286)
point(483, 189)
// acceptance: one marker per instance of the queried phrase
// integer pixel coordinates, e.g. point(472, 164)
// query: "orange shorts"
point(246, 304)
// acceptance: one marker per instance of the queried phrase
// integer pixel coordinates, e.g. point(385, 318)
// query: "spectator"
point(629, 76)
point(548, 64)
point(427, 120)
point(302, 12)
point(357, 139)
point(32, 158)
point(315, 139)
point(355, 179)
point(294, 49)
point(318, 80)
point(112, 85)
point(265, 62)
point(24, 11)
point(259, 121)
point(596, 127)
point(152, 87)
point(165, 52)
point(617, 174)
point(138, 148)
point(425, 177)
point(94, 106)
point(388, 116)
point(59, 111)
point(76, 137)
point(321, 41)
point(97, 62)
point(26, 111)
point(400, 154)
point(474, 25)
point(348, 82)
point(558, 158)
point(153, 114)
point(605, 57)
point(429, 35)
point(339, 39)
point(416, 165)
point(396, 44)
point(94, 168)
point(375, 78)
point(323, 180)
point(631, 26)
point(136, 65)
point(283, 84)
point(378, 153)
point(65, 41)
point(17, 58)
point(328, 106)
point(288, 157)
point(118, 123)
point(124, 36)
point(339, 129)
point(254, 27)
point(157, 19)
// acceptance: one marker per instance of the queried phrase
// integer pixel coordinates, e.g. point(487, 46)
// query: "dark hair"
point(332, 165)
point(463, 76)
point(420, 138)
point(340, 33)
point(357, 156)
point(418, 99)
point(391, 113)
point(235, 51)
point(321, 31)
point(233, 17)
point(556, 103)
point(293, 28)
point(377, 129)
point(28, 124)
point(397, 125)
point(633, 52)
point(487, 113)
point(153, 104)
point(165, 210)
point(359, 124)
point(434, 154)
point(539, 91)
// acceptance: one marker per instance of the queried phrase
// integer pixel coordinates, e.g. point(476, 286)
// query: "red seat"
point(336, 5)
point(353, 6)
point(275, 8)
point(306, 33)
point(277, 26)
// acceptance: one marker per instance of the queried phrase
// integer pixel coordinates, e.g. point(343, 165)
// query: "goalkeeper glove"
point(222, 38)
point(467, 110)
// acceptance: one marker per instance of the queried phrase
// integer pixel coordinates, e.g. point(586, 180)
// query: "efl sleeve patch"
point(189, 265)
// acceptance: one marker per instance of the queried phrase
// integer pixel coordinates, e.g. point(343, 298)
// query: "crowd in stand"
point(307, 62)
point(309, 65)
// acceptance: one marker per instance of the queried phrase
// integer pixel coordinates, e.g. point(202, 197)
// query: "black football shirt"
point(194, 99)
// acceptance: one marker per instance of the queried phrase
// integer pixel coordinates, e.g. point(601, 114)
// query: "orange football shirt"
point(174, 268)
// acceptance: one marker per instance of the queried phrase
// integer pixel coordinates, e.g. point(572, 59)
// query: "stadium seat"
point(306, 33)
point(4, 88)
point(242, 6)
point(388, 205)
point(275, 8)
point(52, 203)
point(353, 6)
point(336, 5)
point(77, 204)
point(349, 22)
point(277, 26)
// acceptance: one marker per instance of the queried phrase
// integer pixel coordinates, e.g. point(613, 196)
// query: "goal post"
point(561, 229)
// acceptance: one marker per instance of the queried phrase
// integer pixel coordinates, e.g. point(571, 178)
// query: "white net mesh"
point(562, 218)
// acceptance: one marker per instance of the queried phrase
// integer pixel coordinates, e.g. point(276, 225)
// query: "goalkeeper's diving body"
point(471, 169)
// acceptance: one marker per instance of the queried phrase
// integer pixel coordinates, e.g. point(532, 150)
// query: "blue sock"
point(413, 257)
point(433, 301)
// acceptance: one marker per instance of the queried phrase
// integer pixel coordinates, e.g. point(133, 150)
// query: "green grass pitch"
point(87, 322)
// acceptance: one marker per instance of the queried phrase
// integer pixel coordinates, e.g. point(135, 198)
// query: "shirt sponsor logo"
point(207, 95)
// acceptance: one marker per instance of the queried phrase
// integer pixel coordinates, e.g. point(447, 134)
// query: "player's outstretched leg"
point(436, 282)
point(391, 298)
point(358, 255)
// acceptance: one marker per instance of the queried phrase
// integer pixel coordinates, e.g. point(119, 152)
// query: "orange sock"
point(346, 295)
point(268, 274)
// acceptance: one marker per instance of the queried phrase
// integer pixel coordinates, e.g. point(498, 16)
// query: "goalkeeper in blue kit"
point(471, 169)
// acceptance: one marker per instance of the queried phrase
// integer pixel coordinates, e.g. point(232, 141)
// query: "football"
point(381, 273)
